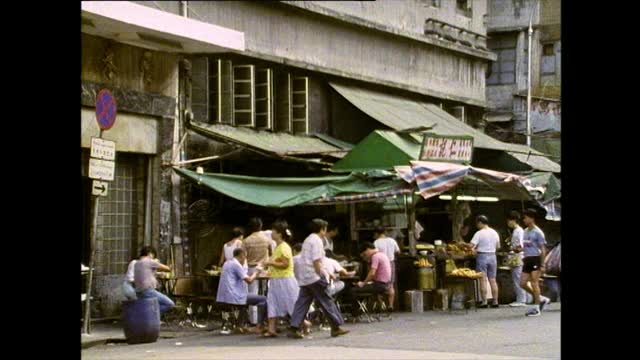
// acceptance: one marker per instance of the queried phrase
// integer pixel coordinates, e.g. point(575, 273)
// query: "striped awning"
point(362, 197)
point(434, 178)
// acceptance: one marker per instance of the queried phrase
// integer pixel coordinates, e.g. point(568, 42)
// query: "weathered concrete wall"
point(300, 38)
point(127, 66)
point(545, 115)
point(132, 133)
point(550, 12)
point(143, 129)
point(500, 97)
point(509, 14)
point(409, 15)
point(168, 6)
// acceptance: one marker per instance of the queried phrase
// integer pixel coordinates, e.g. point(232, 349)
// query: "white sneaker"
point(544, 302)
point(517, 304)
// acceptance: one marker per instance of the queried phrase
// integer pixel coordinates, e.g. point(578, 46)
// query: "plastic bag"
point(450, 265)
point(552, 261)
point(514, 260)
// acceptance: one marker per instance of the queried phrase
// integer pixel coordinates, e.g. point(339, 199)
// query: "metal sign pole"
point(92, 248)
point(103, 153)
point(94, 223)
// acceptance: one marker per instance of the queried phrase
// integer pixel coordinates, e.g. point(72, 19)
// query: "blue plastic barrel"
point(141, 320)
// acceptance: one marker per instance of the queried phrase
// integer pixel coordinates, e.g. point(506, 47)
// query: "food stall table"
point(471, 288)
point(167, 284)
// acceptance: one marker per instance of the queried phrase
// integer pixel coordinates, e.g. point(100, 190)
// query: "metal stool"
point(231, 317)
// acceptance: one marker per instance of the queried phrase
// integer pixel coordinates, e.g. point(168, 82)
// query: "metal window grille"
point(119, 216)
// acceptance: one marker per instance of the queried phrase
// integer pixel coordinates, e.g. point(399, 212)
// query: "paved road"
point(503, 333)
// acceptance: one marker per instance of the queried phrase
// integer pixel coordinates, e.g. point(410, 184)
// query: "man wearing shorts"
point(389, 247)
point(534, 253)
point(485, 242)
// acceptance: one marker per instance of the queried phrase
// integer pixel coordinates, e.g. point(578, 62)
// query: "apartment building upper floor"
point(433, 48)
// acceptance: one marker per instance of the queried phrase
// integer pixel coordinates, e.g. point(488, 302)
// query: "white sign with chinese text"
point(447, 148)
point(103, 149)
point(102, 169)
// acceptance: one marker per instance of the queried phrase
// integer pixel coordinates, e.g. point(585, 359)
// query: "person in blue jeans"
point(144, 278)
point(515, 245)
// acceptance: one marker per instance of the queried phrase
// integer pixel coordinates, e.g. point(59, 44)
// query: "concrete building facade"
point(506, 87)
point(142, 64)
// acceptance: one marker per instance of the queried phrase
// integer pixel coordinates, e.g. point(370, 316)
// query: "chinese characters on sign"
point(102, 169)
point(102, 165)
point(446, 148)
point(103, 149)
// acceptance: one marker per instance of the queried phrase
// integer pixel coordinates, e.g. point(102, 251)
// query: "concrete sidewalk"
point(270, 352)
point(113, 332)
point(101, 334)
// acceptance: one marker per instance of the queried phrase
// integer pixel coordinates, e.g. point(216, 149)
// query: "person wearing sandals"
point(283, 287)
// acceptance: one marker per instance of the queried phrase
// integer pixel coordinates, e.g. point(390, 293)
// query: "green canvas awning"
point(379, 150)
point(279, 143)
point(400, 113)
point(285, 192)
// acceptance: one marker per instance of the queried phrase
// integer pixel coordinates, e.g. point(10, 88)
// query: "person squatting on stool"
point(389, 247)
point(378, 277)
point(144, 278)
point(233, 287)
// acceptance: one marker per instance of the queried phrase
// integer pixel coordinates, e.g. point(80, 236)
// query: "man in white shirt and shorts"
point(485, 242)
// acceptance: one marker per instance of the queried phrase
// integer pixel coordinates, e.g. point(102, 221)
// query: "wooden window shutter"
point(244, 95)
point(200, 88)
point(300, 105)
point(283, 102)
point(226, 92)
point(264, 99)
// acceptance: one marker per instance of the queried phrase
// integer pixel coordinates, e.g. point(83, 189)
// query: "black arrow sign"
point(101, 188)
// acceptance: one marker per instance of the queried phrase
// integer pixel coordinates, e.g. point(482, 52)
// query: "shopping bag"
point(552, 261)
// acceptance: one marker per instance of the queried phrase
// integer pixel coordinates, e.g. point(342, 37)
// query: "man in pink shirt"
point(378, 277)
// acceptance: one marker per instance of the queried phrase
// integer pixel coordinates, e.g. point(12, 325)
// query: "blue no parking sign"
point(105, 109)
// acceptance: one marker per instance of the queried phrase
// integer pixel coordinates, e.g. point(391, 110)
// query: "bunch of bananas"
point(422, 263)
point(466, 272)
point(458, 249)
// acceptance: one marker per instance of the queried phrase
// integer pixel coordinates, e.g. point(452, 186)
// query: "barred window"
point(503, 70)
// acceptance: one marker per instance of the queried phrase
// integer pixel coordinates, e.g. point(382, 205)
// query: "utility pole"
point(529, 84)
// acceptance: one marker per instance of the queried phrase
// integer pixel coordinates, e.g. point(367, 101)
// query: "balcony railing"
point(444, 31)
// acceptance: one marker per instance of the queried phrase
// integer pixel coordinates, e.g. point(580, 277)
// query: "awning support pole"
point(412, 225)
point(207, 158)
point(352, 225)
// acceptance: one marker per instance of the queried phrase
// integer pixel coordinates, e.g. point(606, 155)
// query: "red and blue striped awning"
point(434, 178)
